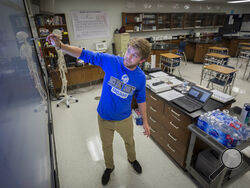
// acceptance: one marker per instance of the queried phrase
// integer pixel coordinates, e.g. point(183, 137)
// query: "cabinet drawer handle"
point(171, 148)
point(153, 98)
point(175, 117)
point(175, 112)
point(171, 123)
point(154, 110)
point(152, 119)
point(172, 137)
point(152, 130)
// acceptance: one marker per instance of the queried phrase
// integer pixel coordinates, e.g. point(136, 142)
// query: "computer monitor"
point(200, 94)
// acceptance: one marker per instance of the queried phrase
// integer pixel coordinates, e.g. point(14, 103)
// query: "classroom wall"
point(114, 9)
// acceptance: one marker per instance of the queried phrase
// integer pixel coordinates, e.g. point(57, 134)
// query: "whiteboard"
point(90, 24)
point(26, 151)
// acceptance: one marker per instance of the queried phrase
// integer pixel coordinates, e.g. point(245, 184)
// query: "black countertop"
point(202, 41)
point(210, 105)
point(162, 46)
point(236, 37)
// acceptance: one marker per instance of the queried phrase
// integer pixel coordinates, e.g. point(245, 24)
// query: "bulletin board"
point(90, 24)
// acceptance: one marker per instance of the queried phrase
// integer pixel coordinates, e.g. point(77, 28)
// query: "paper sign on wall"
point(88, 24)
point(231, 20)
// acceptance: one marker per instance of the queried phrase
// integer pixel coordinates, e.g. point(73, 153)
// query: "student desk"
point(218, 50)
point(215, 58)
point(170, 61)
point(244, 54)
point(213, 70)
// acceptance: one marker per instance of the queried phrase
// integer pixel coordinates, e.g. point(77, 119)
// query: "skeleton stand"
point(63, 69)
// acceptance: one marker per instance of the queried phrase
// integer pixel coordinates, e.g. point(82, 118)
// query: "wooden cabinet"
point(149, 22)
point(189, 20)
point(45, 25)
point(190, 51)
point(163, 21)
point(177, 20)
point(168, 127)
point(132, 21)
point(234, 44)
point(208, 20)
point(196, 51)
point(219, 19)
point(78, 75)
point(199, 53)
point(168, 124)
point(139, 22)
point(199, 18)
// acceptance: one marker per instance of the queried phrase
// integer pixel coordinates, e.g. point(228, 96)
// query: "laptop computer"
point(195, 99)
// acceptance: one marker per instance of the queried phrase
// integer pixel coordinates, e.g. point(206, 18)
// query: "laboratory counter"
point(197, 49)
point(236, 37)
point(169, 124)
point(164, 46)
point(232, 43)
point(202, 41)
point(209, 106)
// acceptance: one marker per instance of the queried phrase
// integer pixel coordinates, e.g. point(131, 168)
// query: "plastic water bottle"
point(224, 134)
point(212, 125)
point(245, 114)
point(202, 122)
point(245, 132)
point(184, 86)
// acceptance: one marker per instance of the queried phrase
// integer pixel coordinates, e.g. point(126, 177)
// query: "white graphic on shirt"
point(121, 88)
point(119, 93)
point(125, 78)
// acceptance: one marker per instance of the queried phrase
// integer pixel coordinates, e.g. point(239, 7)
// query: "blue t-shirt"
point(119, 85)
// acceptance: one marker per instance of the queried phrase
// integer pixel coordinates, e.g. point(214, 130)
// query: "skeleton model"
point(62, 69)
point(26, 54)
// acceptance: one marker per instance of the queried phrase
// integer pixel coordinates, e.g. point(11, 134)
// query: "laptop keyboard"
point(188, 104)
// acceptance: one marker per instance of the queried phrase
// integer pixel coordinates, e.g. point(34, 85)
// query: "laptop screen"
point(199, 94)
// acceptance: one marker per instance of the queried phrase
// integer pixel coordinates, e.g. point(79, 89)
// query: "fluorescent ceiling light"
point(197, 0)
point(242, 1)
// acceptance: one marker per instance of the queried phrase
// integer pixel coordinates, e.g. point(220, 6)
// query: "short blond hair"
point(142, 45)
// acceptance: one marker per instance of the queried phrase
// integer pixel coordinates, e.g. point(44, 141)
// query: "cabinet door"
point(199, 19)
point(219, 19)
point(56, 79)
point(177, 20)
point(149, 21)
point(190, 51)
point(233, 48)
point(131, 21)
point(163, 21)
point(198, 54)
point(189, 20)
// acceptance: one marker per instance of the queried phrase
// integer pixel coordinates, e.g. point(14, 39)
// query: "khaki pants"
point(125, 129)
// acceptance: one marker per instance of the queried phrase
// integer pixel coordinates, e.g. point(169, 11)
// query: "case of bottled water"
point(224, 128)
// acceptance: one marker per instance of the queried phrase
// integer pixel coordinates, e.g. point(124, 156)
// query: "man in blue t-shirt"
point(123, 79)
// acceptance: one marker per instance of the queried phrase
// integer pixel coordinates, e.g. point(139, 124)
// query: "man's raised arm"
point(54, 40)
